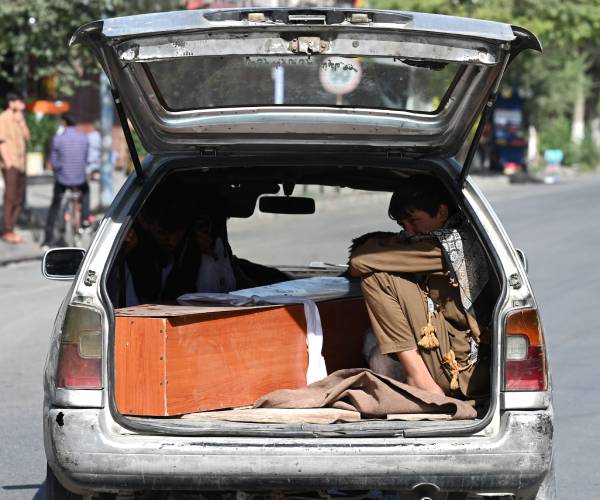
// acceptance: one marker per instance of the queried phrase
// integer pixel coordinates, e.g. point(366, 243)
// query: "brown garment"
point(396, 278)
point(392, 255)
point(371, 394)
point(13, 136)
point(14, 191)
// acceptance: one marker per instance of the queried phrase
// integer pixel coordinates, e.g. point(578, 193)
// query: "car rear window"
point(316, 80)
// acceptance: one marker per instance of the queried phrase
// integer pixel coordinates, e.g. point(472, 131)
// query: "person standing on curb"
point(68, 157)
point(94, 152)
point(14, 135)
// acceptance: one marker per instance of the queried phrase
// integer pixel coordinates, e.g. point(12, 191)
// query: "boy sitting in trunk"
point(420, 287)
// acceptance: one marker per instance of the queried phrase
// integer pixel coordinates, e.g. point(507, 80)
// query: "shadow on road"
point(40, 494)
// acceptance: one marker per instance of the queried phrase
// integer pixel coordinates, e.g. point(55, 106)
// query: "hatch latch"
point(308, 45)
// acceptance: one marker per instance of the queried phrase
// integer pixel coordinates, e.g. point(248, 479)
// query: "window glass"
point(365, 82)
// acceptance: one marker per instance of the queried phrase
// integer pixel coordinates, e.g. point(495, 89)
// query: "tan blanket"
point(371, 394)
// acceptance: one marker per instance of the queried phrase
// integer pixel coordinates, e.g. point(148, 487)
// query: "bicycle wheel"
point(76, 223)
point(58, 230)
point(69, 229)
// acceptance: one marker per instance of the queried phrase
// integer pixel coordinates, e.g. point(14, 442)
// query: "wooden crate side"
point(140, 376)
point(344, 324)
point(222, 361)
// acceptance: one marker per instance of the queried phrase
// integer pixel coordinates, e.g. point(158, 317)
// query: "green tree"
point(563, 84)
point(35, 37)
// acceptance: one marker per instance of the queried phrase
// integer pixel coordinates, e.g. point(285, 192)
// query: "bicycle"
point(71, 229)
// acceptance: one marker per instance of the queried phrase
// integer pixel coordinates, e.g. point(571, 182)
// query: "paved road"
point(559, 228)
point(556, 225)
point(27, 307)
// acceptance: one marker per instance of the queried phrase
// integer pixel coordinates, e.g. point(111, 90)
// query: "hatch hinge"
point(128, 136)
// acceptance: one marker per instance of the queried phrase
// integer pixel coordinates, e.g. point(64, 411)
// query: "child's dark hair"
point(14, 96)
point(421, 192)
point(69, 119)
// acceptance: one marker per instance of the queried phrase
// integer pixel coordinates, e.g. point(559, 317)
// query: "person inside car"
point(423, 288)
point(209, 262)
point(176, 248)
point(148, 267)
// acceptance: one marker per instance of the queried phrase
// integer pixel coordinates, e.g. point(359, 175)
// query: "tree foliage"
point(35, 37)
point(570, 64)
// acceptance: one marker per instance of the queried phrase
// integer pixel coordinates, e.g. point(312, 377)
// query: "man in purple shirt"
point(68, 157)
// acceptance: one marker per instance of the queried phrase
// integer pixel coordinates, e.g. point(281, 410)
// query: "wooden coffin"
point(173, 360)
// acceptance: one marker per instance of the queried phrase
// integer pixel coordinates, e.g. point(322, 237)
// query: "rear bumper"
point(86, 457)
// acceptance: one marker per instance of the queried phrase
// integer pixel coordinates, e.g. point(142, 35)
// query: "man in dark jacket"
point(155, 249)
point(177, 246)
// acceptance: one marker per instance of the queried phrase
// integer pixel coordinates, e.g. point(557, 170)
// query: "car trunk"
point(198, 367)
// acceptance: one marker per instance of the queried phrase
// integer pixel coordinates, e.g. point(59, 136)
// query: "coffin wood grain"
point(185, 363)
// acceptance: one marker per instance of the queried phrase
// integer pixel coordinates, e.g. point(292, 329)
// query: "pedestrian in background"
point(94, 151)
point(69, 159)
point(14, 135)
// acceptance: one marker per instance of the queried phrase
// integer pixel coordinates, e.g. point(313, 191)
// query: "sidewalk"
point(39, 194)
point(33, 218)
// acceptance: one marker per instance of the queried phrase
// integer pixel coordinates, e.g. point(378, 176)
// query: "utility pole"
point(106, 155)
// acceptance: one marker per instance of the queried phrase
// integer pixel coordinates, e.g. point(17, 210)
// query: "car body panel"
point(191, 20)
point(112, 459)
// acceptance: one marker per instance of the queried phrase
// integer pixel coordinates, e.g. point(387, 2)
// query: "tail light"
point(80, 358)
point(525, 366)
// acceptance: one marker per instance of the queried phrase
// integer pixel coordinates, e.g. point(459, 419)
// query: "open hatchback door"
point(408, 82)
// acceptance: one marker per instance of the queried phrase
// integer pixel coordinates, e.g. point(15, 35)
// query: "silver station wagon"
point(148, 396)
